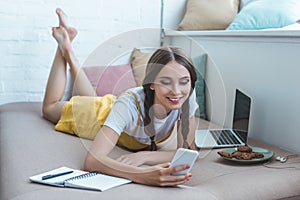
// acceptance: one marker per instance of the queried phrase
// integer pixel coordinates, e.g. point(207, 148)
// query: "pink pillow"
point(110, 79)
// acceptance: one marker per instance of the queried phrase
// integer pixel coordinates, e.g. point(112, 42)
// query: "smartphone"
point(184, 157)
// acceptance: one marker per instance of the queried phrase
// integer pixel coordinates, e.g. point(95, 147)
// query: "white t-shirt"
point(123, 116)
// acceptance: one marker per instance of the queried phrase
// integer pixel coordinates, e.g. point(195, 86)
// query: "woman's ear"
point(152, 87)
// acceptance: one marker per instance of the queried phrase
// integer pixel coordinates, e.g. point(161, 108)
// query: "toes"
point(59, 11)
point(54, 29)
point(63, 23)
point(72, 32)
point(62, 17)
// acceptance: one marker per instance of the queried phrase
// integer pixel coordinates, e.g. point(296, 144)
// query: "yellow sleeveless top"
point(83, 116)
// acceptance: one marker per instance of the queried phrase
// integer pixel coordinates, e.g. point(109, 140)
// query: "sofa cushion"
point(209, 15)
point(113, 79)
point(262, 14)
point(200, 65)
point(138, 61)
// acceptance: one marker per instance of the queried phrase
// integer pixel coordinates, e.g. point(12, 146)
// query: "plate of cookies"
point(246, 154)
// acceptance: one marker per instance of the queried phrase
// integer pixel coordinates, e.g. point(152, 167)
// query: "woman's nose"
point(175, 89)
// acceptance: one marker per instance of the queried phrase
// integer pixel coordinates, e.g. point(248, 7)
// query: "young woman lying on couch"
point(146, 120)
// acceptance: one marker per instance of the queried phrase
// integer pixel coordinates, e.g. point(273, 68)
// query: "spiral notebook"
point(67, 177)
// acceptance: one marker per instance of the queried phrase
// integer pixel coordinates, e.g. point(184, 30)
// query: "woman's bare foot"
point(62, 37)
point(63, 22)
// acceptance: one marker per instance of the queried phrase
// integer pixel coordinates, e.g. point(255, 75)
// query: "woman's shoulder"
point(136, 92)
point(132, 95)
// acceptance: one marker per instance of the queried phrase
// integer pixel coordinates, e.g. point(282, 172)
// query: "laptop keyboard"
point(224, 137)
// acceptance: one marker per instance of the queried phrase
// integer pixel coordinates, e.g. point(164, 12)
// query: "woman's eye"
point(165, 82)
point(184, 82)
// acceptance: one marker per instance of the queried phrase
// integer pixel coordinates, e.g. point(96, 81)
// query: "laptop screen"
point(241, 115)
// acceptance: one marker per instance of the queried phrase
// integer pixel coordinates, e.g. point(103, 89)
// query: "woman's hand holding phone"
point(184, 157)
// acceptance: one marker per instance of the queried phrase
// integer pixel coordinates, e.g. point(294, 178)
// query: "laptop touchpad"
point(203, 138)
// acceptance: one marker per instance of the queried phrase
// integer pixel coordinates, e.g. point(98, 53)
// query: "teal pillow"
point(262, 14)
point(200, 65)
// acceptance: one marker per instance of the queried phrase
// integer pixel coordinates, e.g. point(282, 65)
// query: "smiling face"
point(172, 86)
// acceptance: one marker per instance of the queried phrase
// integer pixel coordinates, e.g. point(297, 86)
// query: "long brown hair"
point(158, 60)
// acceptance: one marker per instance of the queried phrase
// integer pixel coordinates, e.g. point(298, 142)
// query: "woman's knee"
point(52, 112)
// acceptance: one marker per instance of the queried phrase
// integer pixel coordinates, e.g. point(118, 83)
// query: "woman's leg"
point(81, 83)
point(52, 104)
point(57, 79)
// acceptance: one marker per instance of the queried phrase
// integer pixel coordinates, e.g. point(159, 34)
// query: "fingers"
point(172, 170)
point(180, 180)
point(167, 179)
point(175, 180)
point(130, 159)
point(164, 165)
point(125, 160)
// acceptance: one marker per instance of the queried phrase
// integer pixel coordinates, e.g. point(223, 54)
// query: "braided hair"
point(158, 60)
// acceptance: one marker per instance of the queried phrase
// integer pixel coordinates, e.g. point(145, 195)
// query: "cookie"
point(224, 154)
point(246, 156)
point(236, 154)
point(244, 149)
point(242, 153)
point(257, 155)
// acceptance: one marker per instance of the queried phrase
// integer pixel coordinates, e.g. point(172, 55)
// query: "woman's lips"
point(174, 100)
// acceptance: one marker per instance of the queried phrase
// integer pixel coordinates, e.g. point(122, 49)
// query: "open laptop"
point(237, 136)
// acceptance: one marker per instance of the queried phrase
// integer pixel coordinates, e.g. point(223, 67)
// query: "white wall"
point(27, 47)
point(263, 64)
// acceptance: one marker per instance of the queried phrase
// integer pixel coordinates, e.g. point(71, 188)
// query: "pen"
point(56, 175)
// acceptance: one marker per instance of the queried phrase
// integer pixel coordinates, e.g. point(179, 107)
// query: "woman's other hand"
point(135, 159)
point(146, 157)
